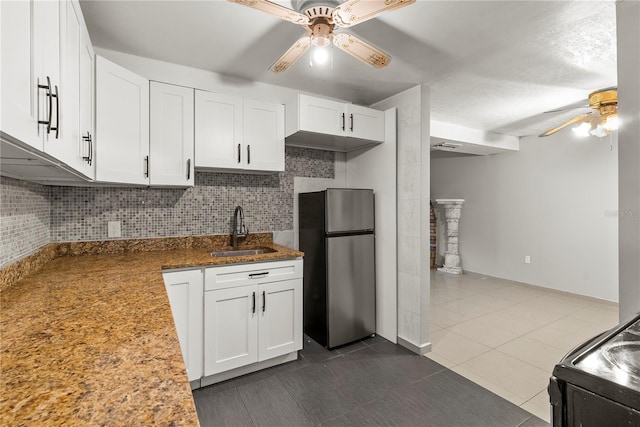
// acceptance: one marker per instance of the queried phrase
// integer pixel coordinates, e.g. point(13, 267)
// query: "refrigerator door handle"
point(348, 233)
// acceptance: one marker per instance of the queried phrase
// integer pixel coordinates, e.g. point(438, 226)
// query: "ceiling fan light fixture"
point(320, 55)
point(319, 18)
point(604, 118)
point(599, 131)
point(611, 123)
point(582, 130)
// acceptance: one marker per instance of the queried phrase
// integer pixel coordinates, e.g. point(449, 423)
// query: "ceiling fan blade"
point(354, 12)
point(275, 10)
point(566, 109)
point(565, 124)
point(292, 55)
point(361, 50)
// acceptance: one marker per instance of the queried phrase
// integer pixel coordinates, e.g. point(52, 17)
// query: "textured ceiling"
point(492, 65)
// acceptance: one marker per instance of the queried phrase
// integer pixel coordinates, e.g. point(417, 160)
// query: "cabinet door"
point(230, 329)
point(365, 123)
point(280, 324)
point(46, 18)
point(122, 124)
point(68, 149)
point(86, 145)
point(218, 130)
point(171, 135)
point(186, 292)
point(264, 136)
point(19, 83)
point(321, 115)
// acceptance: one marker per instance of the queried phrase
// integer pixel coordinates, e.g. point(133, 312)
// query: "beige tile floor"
point(507, 336)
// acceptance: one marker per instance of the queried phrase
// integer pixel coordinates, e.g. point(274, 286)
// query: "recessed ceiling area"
point(463, 147)
point(491, 65)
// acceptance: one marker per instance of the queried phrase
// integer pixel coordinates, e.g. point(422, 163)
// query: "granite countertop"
point(90, 339)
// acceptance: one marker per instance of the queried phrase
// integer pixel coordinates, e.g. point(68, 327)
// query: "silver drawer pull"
point(258, 275)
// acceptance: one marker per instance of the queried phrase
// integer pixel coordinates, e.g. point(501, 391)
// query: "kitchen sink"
point(242, 252)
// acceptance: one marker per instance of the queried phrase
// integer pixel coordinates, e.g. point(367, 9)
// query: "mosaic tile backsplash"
point(82, 213)
point(25, 219)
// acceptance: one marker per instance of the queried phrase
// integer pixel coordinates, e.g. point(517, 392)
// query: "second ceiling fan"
point(319, 18)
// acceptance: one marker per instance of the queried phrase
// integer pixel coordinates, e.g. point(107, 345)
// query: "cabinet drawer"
point(230, 276)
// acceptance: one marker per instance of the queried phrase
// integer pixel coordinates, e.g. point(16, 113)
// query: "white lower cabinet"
point(237, 317)
point(231, 321)
point(280, 319)
point(249, 323)
point(186, 290)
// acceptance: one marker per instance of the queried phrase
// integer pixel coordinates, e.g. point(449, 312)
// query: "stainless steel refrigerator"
point(337, 238)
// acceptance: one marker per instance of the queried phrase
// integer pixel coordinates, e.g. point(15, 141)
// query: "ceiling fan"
point(320, 17)
point(599, 122)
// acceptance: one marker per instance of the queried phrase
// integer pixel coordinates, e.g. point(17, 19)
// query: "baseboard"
point(418, 349)
point(243, 370)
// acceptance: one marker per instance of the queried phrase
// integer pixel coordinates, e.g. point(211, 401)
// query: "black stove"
point(598, 383)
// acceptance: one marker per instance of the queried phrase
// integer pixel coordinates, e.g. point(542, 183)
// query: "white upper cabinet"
point(47, 91)
point(234, 134)
point(86, 146)
point(77, 104)
point(364, 123)
point(122, 124)
point(331, 125)
point(171, 135)
point(31, 87)
point(322, 115)
point(263, 134)
point(19, 115)
point(218, 127)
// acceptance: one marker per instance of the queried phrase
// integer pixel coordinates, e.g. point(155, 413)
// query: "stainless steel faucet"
point(239, 229)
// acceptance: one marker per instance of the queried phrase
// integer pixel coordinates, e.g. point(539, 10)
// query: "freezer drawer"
point(350, 288)
point(349, 210)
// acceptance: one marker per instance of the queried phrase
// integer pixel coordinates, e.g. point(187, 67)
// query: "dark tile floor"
point(368, 383)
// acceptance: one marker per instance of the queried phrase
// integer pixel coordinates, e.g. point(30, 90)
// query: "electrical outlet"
point(527, 259)
point(113, 229)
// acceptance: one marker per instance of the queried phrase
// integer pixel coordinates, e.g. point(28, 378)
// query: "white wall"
point(200, 79)
point(554, 200)
point(628, 29)
point(305, 185)
point(413, 205)
point(375, 167)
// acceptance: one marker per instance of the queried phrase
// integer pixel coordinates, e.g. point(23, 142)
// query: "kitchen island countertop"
point(90, 339)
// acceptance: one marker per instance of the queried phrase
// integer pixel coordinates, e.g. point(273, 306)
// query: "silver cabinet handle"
point(248, 154)
point(188, 169)
point(238, 153)
point(48, 88)
point(351, 128)
point(343, 120)
point(57, 97)
point(264, 301)
point(146, 169)
point(89, 157)
point(258, 275)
